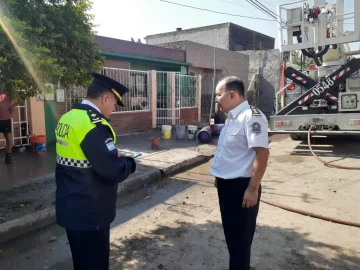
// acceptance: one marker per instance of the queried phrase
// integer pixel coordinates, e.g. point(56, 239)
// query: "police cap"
point(114, 86)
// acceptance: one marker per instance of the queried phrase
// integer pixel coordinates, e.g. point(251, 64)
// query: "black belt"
point(238, 178)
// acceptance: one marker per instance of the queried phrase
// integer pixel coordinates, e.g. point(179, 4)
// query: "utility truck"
point(328, 102)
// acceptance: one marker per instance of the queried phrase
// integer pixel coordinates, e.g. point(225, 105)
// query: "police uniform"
point(87, 174)
point(245, 128)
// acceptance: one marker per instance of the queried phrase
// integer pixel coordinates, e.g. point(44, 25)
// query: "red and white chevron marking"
point(306, 98)
point(298, 78)
point(332, 97)
point(337, 76)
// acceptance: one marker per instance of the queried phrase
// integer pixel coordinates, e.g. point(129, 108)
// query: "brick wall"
point(121, 122)
point(131, 122)
point(60, 110)
point(189, 116)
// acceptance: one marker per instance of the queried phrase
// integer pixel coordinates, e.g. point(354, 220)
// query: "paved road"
point(179, 226)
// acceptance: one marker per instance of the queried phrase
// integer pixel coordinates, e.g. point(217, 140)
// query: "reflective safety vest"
point(70, 132)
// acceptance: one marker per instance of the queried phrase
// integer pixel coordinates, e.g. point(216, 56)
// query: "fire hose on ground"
point(313, 215)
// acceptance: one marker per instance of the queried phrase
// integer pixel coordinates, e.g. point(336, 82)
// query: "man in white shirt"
point(239, 164)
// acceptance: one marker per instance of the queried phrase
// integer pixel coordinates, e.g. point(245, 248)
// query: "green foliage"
point(296, 59)
point(46, 41)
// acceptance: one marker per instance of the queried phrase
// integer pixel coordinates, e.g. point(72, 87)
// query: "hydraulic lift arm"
point(321, 89)
point(299, 78)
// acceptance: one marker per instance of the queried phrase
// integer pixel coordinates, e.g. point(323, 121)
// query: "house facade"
point(255, 49)
point(157, 79)
point(227, 36)
point(204, 60)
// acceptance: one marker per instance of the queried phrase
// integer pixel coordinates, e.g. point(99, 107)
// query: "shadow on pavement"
point(190, 246)
point(39, 239)
point(329, 147)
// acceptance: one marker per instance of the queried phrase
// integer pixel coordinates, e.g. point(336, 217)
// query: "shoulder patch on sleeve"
point(94, 117)
point(110, 145)
point(255, 111)
point(256, 128)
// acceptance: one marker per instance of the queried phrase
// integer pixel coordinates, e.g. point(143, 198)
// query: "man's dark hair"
point(94, 91)
point(233, 83)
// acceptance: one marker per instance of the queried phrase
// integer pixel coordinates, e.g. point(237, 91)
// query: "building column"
point(153, 97)
point(173, 98)
point(199, 78)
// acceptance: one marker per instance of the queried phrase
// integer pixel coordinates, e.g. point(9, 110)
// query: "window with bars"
point(188, 91)
point(138, 98)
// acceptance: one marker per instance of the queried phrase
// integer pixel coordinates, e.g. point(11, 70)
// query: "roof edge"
point(145, 58)
point(192, 29)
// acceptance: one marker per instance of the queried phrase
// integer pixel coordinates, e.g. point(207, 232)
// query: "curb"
point(32, 222)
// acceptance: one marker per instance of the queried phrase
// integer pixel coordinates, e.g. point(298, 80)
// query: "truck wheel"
point(298, 137)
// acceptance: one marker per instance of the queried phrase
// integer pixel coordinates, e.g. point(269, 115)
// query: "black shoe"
point(8, 158)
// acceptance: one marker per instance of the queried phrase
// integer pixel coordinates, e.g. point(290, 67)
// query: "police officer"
point(89, 168)
point(238, 166)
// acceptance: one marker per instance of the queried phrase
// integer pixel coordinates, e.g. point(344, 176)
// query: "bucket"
point(38, 145)
point(166, 132)
point(192, 132)
point(205, 134)
point(180, 132)
point(155, 142)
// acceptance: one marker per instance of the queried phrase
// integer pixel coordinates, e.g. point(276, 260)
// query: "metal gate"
point(19, 127)
point(74, 95)
point(168, 98)
point(138, 83)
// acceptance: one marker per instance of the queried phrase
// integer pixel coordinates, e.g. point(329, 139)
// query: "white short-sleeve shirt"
point(244, 129)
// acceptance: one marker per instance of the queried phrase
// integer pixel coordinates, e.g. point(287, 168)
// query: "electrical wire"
point(251, 8)
point(268, 3)
point(313, 215)
point(261, 9)
point(264, 9)
point(325, 162)
point(213, 11)
point(238, 4)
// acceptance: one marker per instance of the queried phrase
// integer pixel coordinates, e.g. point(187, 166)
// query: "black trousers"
point(90, 249)
point(239, 223)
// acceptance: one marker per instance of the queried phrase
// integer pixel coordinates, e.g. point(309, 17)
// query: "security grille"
point(138, 82)
point(19, 127)
point(168, 98)
point(188, 90)
point(74, 95)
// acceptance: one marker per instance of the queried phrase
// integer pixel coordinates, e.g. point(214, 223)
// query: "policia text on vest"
point(62, 130)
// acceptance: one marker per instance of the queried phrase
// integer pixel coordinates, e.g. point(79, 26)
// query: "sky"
point(126, 19)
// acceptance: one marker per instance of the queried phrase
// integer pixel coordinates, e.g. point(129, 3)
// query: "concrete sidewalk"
point(27, 168)
point(27, 203)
